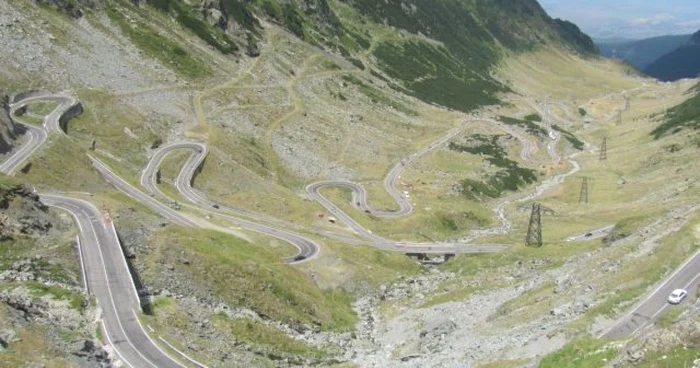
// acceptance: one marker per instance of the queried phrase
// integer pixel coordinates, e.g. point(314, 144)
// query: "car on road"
point(677, 296)
point(215, 206)
point(589, 235)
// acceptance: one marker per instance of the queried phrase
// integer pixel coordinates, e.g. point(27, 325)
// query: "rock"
point(635, 356)
point(7, 337)
point(438, 328)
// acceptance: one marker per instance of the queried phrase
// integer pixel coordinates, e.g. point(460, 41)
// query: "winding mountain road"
point(108, 278)
point(184, 185)
point(37, 135)
point(307, 248)
point(107, 273)
point(648, 310)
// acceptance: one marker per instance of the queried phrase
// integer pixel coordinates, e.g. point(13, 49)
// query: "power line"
point(604, 149)
point(583, 196)
point(534, 229)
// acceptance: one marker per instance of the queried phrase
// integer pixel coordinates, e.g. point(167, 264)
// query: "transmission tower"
point(534, 230)
point(545, 118)
point(583, 197)
point(627, 103)
point(604, 149)
point(619, 117)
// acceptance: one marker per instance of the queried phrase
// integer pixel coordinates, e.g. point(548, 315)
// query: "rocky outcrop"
point(72, 112)
point(44, 309)
point(22, 212)
point(8, 131)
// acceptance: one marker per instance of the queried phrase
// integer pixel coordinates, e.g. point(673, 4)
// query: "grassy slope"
point(685, 116)
point(250, 276)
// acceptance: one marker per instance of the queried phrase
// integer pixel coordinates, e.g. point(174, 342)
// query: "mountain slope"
point(683, 62)
point(487, 30)
point(288, 93)
point(7, 127)
point(641, 53)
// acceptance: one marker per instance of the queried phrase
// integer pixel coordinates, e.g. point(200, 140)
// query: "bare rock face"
point(7, 127)
point(22, 213)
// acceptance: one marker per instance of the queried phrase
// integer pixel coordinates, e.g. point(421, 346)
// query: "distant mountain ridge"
point(683, 62)
point(642, 53)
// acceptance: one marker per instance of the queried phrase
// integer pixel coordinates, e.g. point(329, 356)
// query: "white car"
point(677, 296)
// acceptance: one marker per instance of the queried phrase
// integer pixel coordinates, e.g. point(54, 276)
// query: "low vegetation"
point(377, 96)
point(189, 19)
point(250, 276)
point(580, 353)
point(509, 177)
point(535, 118)
point(683, 116)
point(528, 123)
point(258, 334)
point(146, 38)
point(679, 356)
point(577, 143)
point(76, 301)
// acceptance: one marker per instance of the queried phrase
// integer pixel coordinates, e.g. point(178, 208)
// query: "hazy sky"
point(628, 18)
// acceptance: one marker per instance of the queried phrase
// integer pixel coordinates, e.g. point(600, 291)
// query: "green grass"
point(76, 301)
point(678, 357)
point(667, 319)
point(258, 334)
point(33, 120)
point(49, 169)
point(250, 276)
point(98, 334)
point(41, 107)
point(369, 265)
point(146, 38)
point(626, 227)
point(580, 353)
point(161, 302)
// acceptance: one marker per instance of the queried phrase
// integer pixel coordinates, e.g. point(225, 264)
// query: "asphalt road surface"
point(592, 234)
point(51, 121)
point(108, 278)
point(650, 309)
point(307, 248)
point(359, 194)
point(37, 135)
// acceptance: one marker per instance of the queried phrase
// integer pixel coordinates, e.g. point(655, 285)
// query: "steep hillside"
point(683, 62)
point(432, 112)
point(641, 53)
point(8, 129)
point(466, 58)
point(680, 118)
